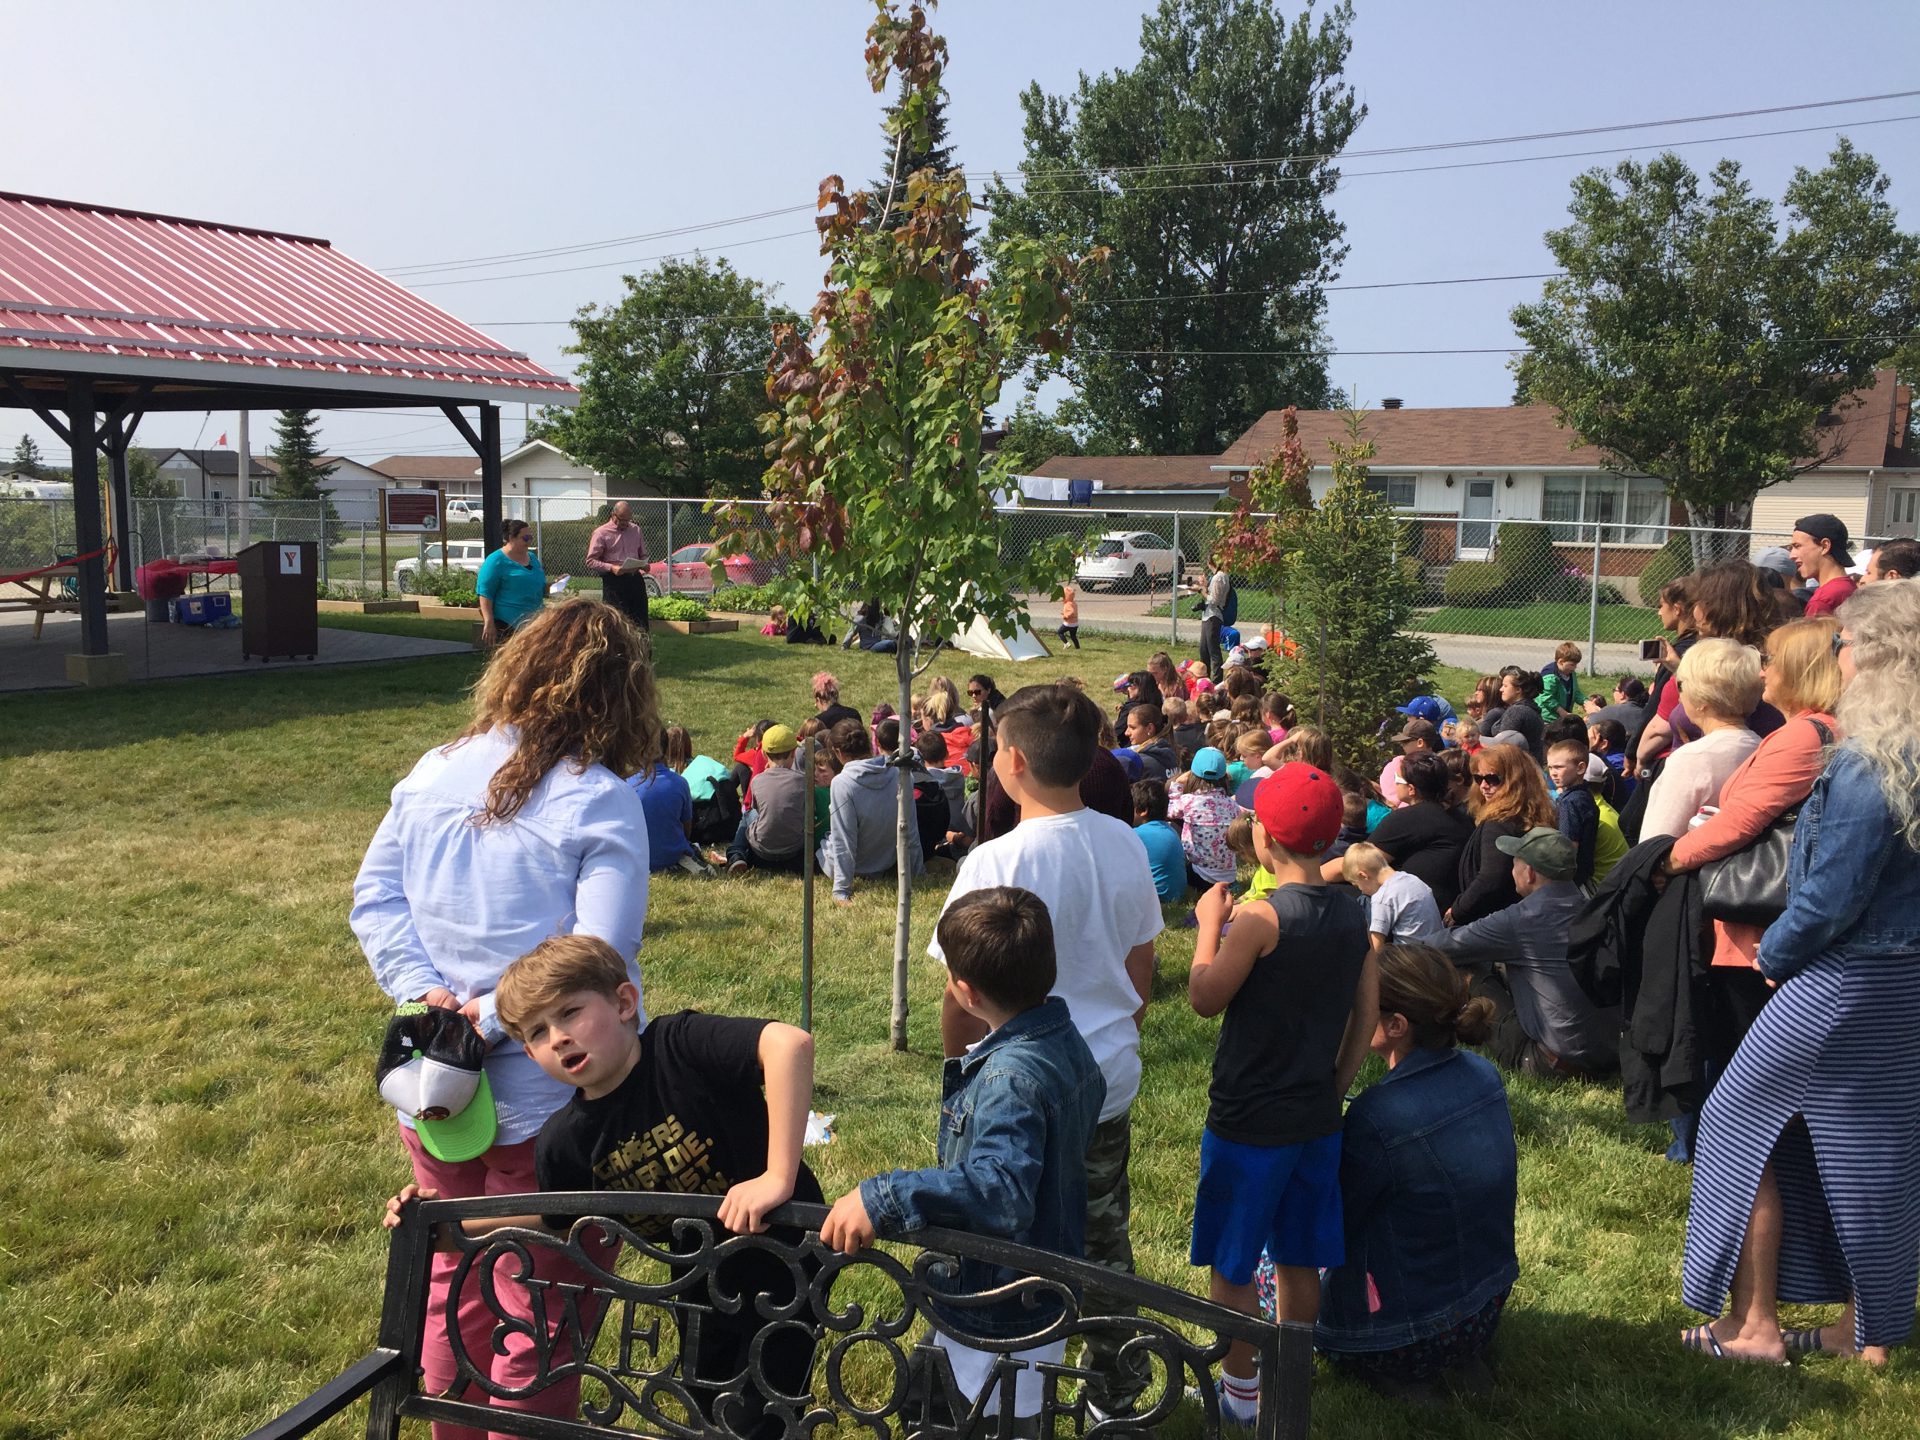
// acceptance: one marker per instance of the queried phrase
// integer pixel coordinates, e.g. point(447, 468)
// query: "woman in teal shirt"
point(512, 585)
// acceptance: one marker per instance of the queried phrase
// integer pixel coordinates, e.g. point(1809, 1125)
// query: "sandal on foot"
point(1805, 1342)
point(1701, 1340)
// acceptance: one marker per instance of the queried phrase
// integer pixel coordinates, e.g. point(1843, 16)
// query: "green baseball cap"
point(432, 1069)
point(1545, 849)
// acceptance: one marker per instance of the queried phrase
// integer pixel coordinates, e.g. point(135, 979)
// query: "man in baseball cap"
point(1430, 708)
point(1416, 737)
point(1820, 552)
point(1544, 1022)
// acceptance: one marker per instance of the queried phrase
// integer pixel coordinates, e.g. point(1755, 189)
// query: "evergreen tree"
point(296, 459)
point(27, 460)
point(296, 455)
point(917, 150)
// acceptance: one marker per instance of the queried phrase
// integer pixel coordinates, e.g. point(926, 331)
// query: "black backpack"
point(716, 819)
point(1230, 612)
point(932, 813)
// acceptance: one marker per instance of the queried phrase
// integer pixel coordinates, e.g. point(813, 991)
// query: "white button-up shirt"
point(441, 902)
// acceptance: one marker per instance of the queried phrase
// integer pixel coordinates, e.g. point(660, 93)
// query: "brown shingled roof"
point(1137, 472)
point(429, 467)
point(1871, 420)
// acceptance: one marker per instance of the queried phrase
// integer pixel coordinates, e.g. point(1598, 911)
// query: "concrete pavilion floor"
point(168, 652)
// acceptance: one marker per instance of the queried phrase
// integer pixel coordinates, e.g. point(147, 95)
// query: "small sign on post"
point(414, 511)
point(289, 559)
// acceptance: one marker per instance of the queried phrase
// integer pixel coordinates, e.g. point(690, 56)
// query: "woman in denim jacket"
point(1806, 1183)
point(1428, 1180)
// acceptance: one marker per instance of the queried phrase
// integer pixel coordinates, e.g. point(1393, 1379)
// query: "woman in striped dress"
point(1806, 1184)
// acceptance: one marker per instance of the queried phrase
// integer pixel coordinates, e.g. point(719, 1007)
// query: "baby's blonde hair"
point(1362, 859)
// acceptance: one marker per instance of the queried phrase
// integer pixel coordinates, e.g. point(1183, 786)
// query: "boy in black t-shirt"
point(1297, 982)
point(679, 1108)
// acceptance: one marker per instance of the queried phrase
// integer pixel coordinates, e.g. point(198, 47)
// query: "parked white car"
point(1135, 559)
point(461, 555)
point(462, 512)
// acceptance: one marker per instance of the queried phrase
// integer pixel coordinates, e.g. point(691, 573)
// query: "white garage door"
point(562, 499)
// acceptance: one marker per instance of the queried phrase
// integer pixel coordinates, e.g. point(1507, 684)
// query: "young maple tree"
point(878, 484)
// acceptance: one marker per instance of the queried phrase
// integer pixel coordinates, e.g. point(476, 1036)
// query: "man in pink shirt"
point(617, 553)
point(1820, 553)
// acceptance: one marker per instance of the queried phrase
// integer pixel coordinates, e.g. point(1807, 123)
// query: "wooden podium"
point(279, 600)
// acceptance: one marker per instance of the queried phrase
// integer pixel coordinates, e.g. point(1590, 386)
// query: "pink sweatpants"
point(502, 1170)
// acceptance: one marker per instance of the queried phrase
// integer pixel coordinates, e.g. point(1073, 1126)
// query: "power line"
point(608, 264)
point(481, 261)
point(1094, 300)
point(1220, 184)
point(1491, 140)
point(1474, 164)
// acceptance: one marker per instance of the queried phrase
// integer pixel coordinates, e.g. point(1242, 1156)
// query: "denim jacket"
point(1428, 1182)
point(1016, 1117)
point(1853, 882)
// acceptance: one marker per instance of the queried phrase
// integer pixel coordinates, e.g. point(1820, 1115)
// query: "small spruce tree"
point(296, 458)
point(27, 460)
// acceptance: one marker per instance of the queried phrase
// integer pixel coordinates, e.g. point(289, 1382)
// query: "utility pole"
point(246, 483)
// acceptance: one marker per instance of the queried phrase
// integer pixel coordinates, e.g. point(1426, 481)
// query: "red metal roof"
point(161, 294)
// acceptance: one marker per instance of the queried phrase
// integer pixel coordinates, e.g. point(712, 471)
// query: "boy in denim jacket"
point(1016, 1116)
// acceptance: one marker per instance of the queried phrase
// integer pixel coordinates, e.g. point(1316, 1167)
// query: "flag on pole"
point(222, 440)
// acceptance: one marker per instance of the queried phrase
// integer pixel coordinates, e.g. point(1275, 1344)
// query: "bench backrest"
point(637, 1332)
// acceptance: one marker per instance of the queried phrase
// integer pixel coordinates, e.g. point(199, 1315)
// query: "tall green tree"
point(27, 460)
point(1209, 170)
point(1696, 339)
point(904, 156)
point(880, 490)
point(144, 480)
point(1351, 655)
point(1033, 436)
point(296, 457)
point(671, 380)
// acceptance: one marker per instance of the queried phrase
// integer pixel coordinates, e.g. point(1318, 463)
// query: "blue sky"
point(428, 132)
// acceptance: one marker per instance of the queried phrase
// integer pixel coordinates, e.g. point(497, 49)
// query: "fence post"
point(363, 559)
point(320, 533)
point(668, 557)
point(533, 504)
point(1173, 586)
point(1593, 608)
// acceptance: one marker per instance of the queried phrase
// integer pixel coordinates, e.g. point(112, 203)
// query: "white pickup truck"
point(461, 555)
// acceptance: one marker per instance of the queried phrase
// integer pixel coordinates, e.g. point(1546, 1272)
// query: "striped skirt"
point(1827, 1086)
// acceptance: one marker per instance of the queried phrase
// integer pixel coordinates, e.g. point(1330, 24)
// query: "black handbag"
point(1749, 887)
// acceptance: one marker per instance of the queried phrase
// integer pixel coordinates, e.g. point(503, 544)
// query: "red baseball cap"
point(1300, 807)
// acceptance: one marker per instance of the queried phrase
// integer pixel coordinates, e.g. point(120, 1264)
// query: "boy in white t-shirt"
point(1400, 907)
point(1091, 871)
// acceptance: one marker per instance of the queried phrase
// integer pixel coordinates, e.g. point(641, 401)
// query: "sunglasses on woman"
point(1492, 780)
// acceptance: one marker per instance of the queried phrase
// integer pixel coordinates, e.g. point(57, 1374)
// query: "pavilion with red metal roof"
point(107, 315)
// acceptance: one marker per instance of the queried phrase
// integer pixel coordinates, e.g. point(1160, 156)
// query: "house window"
point(1397, 488)
point(1630, 510)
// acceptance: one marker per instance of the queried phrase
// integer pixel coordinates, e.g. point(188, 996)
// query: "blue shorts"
point(1284, 1199)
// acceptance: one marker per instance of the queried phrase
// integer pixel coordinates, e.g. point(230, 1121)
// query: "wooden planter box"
point(434, 610)
point(698, 627)
point(369, 607)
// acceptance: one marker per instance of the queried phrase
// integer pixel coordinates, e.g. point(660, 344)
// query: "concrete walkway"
point(167, 652)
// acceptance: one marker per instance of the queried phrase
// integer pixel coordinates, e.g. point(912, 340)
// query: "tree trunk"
point(1723, 531)
point(902, 842)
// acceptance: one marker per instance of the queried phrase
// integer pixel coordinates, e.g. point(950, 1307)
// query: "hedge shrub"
point(676, 607)
point(748, 599)
point(1474, 582)
point(1529, 564)
point(1675, 558)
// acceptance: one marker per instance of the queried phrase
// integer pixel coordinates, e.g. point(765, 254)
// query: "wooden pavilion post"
point(82, 429)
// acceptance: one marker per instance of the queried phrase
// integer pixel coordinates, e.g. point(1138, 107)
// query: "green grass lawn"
point(196, 1158)
point(1621, 624)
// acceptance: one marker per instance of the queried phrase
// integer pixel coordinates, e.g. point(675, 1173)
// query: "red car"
point(689, 570)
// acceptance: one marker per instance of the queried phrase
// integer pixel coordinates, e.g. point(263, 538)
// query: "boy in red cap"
point(1300, 992)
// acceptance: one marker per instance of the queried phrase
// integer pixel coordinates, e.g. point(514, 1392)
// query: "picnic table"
point(46, 590)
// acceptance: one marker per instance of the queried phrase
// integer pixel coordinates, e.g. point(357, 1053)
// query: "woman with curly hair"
point(1509, 798)
point(522, 828)
point(1806, 1182)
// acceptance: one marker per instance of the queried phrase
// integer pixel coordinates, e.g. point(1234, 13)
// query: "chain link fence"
point(1489, 592)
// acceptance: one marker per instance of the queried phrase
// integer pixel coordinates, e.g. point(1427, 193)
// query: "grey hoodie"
point(864, 814)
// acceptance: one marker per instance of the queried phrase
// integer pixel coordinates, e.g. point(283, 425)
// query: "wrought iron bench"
point(874, 1369)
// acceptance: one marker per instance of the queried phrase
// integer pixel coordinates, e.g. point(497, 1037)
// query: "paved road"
point(1125, 615)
